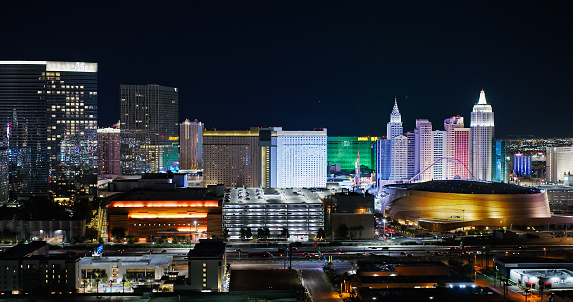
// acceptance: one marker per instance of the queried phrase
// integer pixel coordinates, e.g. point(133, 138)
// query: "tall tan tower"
point(191, 145)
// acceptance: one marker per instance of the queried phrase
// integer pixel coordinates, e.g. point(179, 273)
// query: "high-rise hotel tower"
point(149, 128)
point(191, 145)
point(49, 112)
point(482, 134)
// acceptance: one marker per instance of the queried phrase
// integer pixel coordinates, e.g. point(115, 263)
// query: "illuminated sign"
point(99, 249)
point(164, 203)
point(367, 138)
point(174, 138)
point(71, 66)
point(165, 216)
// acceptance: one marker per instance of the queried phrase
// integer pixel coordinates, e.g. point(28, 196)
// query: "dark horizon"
point(321, 64)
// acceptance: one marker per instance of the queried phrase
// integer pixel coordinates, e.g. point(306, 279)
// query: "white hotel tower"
point(482, 133)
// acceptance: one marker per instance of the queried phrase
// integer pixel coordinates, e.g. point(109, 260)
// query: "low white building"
point(138, 268)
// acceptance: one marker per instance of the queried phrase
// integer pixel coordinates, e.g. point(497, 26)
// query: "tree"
point(284, 233)
point(354, 229)
point(118, 233)
point(320, 235)
point(263, 233)
point(342, 231)
point(249, 233)
point(225, 234)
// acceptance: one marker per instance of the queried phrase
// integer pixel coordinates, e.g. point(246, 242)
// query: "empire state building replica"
point(482, 133)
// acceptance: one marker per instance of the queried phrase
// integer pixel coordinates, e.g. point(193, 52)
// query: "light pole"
point(384, 235)
point(195, 234)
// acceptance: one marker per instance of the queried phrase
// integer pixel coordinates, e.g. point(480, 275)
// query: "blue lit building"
point(500, 171)
point(521, 164)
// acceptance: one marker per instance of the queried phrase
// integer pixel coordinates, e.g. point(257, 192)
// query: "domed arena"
point(442, 205)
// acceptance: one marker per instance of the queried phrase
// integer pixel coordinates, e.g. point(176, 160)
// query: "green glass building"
point(343, 150)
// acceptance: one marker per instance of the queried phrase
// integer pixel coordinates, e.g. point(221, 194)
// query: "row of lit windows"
point(162, 224)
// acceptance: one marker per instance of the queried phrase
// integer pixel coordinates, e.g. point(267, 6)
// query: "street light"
point(195, 236)
point(384, 235)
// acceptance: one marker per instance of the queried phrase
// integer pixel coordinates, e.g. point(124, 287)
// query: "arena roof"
point(466, 187)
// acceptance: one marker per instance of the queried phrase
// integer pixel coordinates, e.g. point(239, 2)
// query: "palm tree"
point(97, 281)
point(284, 233)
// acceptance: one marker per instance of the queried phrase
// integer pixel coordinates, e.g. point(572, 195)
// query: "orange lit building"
point(149, 214)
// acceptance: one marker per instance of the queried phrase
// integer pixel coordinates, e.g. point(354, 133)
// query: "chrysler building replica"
point(482, 133)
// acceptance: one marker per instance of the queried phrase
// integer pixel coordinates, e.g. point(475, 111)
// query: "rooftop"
point(466, 187)
point(269, 195)
point(153, 195)
point(144, 260)
point(23, 250)
point(209, 248)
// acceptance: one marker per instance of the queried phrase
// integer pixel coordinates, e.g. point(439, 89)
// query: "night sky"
point(330, 64)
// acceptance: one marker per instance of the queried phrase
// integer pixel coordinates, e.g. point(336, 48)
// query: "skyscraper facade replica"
point(149, 131)
point(49, 111)
point(399, 162)
point(411, 154)
point(191, 145)
point(231, 158)
point(457, 149)
point(383, 159)
point(424, 152)
point(482, 134)
point(398, 146)
point(439, 150)
point(394, 127)
point(108, 147)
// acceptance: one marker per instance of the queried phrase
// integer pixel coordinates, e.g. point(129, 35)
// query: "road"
point(319, 287)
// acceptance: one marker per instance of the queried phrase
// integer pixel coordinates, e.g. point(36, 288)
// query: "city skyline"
point(334, 59)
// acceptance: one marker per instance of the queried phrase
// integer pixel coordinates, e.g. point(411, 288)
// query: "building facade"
point(49, 111)
point(457, 149)
point(521, 164)
point(411, 148)
point(439, 152)
point(149, 131)
point(399, 158)
point(559, 164)
point(383, 159)
point(207, 265)
point(108, 146)
point(482, 134)
point(231, 158)
point(424, 150)
point(29, 269)
point(150, 214)
point(342, 150)
point(500, 168)
point(301, 158)
point(394, 127)
point(293, 214)
point(191, 145)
